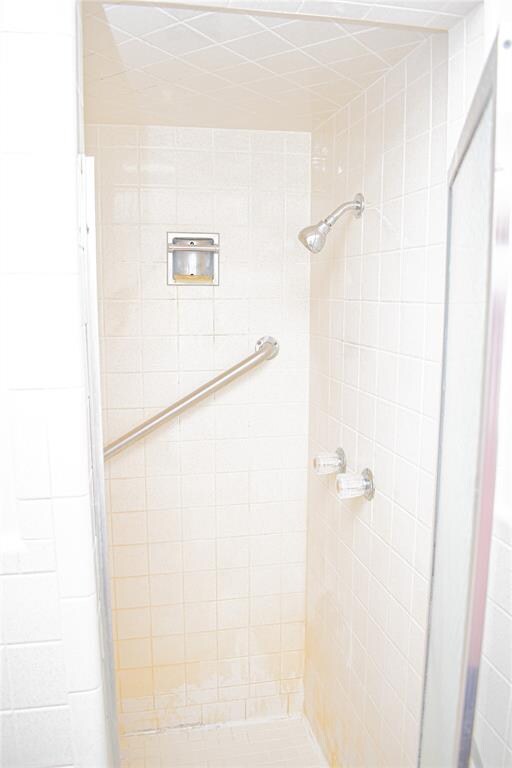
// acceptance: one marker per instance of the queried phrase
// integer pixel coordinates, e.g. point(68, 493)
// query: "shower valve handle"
point(353, 485)
point(330, 463)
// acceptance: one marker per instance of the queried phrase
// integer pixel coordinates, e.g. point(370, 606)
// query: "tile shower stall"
point(216, 544)
point(255, 617)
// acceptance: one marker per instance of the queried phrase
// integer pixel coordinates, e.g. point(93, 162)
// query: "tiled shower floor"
point(279, 743)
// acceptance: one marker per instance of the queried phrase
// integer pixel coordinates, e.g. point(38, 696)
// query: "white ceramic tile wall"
point(376, 343)
point(52, 710)
point(466, 50)
point(468, 43)
point(208, 515)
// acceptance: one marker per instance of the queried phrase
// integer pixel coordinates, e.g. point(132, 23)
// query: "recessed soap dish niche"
point(193, 258)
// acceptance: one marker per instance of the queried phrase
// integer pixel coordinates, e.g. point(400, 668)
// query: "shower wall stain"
point(377, 293)
point(208, 514)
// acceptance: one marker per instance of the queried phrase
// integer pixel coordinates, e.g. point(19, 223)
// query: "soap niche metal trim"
point(193, 258)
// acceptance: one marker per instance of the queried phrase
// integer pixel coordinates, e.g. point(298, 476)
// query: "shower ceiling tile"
point(376, 41)
point(182, 14)
point(221, 29)
point(368, 78)
point(315, 75)
point(272, 21)
point(141, 81)
point(257, 46)
point(436, 14)
point(433, 14)
point(368, 63)
point(401, 16)
point(304, 33)
point(394, 55)
point(137, 19)
point(98, 67)
point(320, 118)
point(271, 86)
point(100, 38)
point(204, 83)
point(136, 54)
point(336, 92)
point(336, 50)
point(245, 73)
point(215, 57)
point(172, 70)
point(284, 63)
point(178, 40)
point(190, 67)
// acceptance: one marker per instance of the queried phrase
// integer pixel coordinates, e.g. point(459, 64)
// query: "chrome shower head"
point(314, 237)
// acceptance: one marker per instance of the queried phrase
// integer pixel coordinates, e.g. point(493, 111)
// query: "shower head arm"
point(314, 237)
point(356, 205)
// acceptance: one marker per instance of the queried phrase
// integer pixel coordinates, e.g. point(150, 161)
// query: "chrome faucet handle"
point(330, 463)
point(353, 485)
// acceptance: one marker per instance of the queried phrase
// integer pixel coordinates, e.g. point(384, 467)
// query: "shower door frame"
point(88, 270)
point(494, 88)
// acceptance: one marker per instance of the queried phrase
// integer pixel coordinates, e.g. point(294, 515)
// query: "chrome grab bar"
point(266, 348)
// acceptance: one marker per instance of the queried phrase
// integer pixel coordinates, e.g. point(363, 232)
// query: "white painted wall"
point(52, 703)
